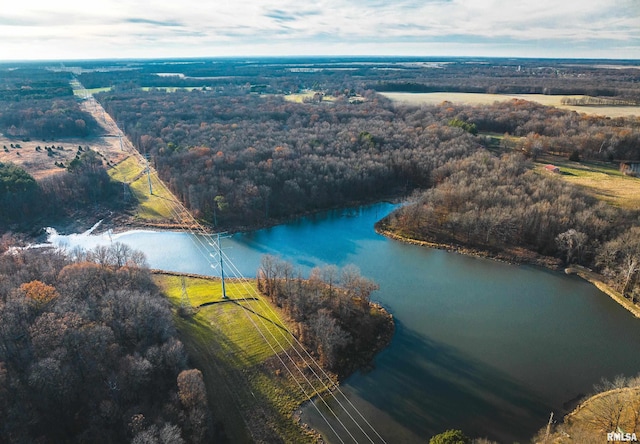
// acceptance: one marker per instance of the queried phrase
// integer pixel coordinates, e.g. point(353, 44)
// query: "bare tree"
point(572, 243)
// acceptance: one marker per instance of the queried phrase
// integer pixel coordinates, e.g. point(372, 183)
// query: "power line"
point(181, 217)
point(329, 387)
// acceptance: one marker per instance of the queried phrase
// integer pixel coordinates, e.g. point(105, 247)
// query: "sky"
point(96, 29)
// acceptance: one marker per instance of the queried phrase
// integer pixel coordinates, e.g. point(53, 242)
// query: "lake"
point(483, 346)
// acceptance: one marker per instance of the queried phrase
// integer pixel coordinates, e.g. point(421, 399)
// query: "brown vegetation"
point(88, 353)
point(331, 312)
point(615, 407)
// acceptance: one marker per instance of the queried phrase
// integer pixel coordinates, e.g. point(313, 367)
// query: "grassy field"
point(487, 99)
point(300, 97)
point(94, 90)
point(160, 206)
point(171, 89)
point(248, 387)
point(602, 180)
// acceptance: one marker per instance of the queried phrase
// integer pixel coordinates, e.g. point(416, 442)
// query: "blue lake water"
point(483, 346)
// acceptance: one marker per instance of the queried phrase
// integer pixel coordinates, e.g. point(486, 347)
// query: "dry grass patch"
point(307, 95)
point(611, 411)
point(40, 164)
point(603, 181)
point(488, 99)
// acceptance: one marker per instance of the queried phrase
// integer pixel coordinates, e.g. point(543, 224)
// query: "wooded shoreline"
point(527, 257)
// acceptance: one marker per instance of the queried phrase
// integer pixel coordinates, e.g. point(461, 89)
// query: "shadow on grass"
point(258, 314)
point(226, 301)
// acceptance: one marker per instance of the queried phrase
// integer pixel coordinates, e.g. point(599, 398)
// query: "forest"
point(246, 159)
point(89, 353)
point(238, 161)
point(39, 103)
point(82, 338)
point(240, 155)
point(331, 312)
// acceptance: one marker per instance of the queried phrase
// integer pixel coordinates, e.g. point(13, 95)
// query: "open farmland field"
point(600, 179)
point(487, 99)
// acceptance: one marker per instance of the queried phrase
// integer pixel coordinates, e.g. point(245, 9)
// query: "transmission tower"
point(224, 291)
point(146, 157)
point(218, 246)
point(186, 309)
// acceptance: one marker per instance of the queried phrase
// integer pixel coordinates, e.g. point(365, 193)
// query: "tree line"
point(83, 188)
point(248, 159)
point(38, 103)
point(45, 119)
point(331, 311)
point(514, 77)
point(32, 83)
point(536, 129)
point(89, 353)
point(502, 205)
point(409, 74)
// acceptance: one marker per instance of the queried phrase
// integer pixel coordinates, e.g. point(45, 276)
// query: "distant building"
point(552, 168)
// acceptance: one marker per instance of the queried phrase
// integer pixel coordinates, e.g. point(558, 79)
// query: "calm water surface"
point(480, 345)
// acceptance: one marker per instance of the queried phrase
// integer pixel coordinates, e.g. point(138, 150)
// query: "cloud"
point(190, 28)
point(169, 23)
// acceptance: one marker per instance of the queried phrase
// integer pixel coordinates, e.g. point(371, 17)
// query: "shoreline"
point(594, 278)
point(296, 414)
point(119, 222)
point(533, 259)
point(513, 257)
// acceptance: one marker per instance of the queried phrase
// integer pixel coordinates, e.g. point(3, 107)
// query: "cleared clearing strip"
point(248, 388)
point(157, 207)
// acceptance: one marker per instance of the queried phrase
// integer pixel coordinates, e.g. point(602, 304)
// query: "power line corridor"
point(341, 416)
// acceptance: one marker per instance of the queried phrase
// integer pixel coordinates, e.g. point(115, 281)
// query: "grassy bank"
point(157, 209)
point(234, 343)
point(613, 410)
point(602, 180)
